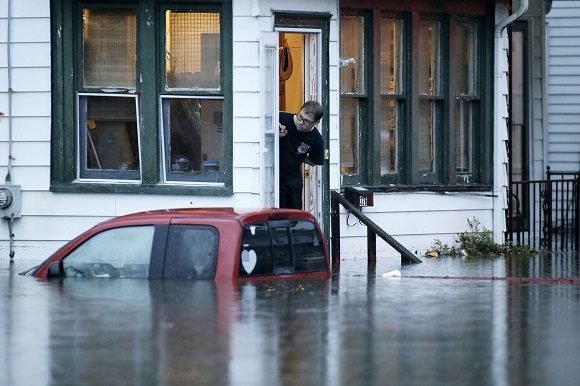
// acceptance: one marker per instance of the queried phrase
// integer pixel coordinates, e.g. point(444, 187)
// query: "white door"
point(312, 195)
point(269, 120)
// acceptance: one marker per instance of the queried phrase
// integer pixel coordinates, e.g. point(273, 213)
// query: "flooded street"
point(447, 321)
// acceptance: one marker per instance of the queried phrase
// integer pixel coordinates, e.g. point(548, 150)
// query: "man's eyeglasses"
point(303, 120)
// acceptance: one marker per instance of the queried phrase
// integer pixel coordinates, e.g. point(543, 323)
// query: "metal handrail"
point(373, 230)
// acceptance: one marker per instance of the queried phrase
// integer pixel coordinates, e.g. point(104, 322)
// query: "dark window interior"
point(281, 247)
point(191, 252)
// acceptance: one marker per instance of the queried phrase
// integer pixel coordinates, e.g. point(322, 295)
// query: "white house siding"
point(416, 220)
point(50, 219)
point(563, 46)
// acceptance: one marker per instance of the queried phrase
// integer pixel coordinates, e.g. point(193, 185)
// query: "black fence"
point(545, 214)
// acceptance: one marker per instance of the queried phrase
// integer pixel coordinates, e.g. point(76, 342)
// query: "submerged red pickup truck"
point(195, 243)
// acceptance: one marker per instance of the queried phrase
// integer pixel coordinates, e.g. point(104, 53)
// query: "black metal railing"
point(545, 214)
point(373, 230)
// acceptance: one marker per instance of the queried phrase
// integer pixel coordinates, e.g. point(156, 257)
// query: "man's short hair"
point(314, 108)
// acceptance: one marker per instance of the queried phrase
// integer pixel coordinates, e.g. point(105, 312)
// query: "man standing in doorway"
point(300, 142)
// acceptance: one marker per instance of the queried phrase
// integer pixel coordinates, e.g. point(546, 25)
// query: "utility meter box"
point(359, 196)
point(10, 201)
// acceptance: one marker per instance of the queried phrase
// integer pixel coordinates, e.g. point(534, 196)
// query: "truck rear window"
point(281, 247)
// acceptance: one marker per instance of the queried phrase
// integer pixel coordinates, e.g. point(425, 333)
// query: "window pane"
point(109, 48)
point(349, 135)
point(307, 247)
point(191, 252)
point(352, 76)
point(389, 129)
point(391, 56)
point(121, 252)
point(428, 116)
point(466, 60)
point(466, 98)
point(194, 139)
point(192, 44)
point(429, 58)
point(256, 238)
point(463, 139)
point(108, 132)
point(281, 247)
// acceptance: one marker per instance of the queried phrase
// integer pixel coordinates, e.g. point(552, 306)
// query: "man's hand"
point(283, 130)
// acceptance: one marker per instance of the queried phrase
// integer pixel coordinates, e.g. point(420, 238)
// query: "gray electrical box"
point(10, 201)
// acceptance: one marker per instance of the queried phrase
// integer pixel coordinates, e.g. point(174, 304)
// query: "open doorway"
point(299, 82)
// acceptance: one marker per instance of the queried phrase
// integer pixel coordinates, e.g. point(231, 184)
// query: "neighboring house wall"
point(563, 51)
point(49, 219)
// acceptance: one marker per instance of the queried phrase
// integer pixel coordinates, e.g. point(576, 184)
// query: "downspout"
point(499, 27)
point(498, 150)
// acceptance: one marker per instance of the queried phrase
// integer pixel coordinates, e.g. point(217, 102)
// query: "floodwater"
point(447, 321)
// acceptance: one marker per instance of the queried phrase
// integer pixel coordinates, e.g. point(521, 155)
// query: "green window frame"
point(423, 119)
point(115, 120)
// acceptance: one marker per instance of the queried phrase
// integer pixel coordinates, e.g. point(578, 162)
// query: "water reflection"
point(355, 329)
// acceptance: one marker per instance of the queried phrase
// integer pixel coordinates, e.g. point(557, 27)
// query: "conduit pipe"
point(8, 178)
point(498, 175)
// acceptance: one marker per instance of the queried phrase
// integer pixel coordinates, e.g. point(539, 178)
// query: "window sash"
point(467, 100)
point(352, 35)
point(425, 150)
point(391, 56)
point(109, 47)
point(391, 116)
point(430, 57)
point(192, 45)
point(350, 116)
point(193, 139)
point(353, 101)
point(109, 139)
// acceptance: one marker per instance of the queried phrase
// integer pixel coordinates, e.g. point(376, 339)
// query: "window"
point(150, 106)
point(114, 253)
point(108, 130)
point(391, 91)
point(467, 99)
point(353, 93)
point(281, 247)
point(191, 99)
point(412, 86)
point(191, 252)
